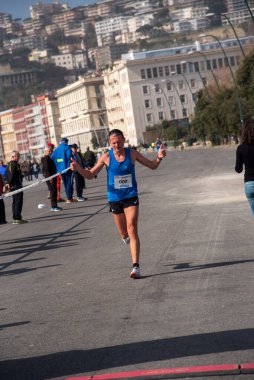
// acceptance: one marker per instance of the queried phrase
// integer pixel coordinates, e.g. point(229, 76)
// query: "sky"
point(20, 8)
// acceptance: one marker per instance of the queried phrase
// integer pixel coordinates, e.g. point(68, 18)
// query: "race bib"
point(123, 181)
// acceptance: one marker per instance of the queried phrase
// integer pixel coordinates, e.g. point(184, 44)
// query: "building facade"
point(7, 133)
point(148, 87)
point(82, 112)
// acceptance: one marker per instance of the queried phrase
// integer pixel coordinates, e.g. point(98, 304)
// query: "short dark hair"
point(116, 132)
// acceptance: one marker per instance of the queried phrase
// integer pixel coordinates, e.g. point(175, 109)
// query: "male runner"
point(122, 188)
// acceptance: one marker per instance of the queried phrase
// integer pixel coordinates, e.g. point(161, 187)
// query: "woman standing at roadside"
point(245, 157)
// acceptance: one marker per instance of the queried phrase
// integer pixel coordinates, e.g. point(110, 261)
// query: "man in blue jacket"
point(62, 158)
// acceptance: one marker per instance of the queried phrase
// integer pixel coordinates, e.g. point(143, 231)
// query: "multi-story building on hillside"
point(20, 129)
point(7, 133)
point(41, 9)
point(82, 112)
point(76, 60)
point(148, 87)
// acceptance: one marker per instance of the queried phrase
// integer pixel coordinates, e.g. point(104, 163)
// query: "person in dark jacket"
point(49, 169)
point(245, 157)
point(2, 207)
point(79, 179)
point(14, 181)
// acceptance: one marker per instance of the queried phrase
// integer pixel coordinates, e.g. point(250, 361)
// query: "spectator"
point(35, 169)
point(79, 179)
point(90, 159)
point(25, 170)
point(49, 169)
point(2, 207)
point(3, 169)
point(157, 144)
point(14, 180)
point(62, 158)
point(58, 180)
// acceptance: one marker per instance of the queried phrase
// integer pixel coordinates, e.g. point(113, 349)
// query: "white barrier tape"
point(34, 184)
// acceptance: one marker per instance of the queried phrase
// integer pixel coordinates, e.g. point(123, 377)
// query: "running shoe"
point(81, 199)
point(135, 273)
point(126, 241)
point(73, 200)
point(56, 208)
point(19, 221)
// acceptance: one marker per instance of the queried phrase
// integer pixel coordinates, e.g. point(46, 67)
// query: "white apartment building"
point(147, 87)
point(105, 29)
point(188, 25)
point(82, 112)
point(70, 61)
point(53, 116)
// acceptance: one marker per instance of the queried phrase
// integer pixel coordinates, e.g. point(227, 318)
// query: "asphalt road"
point(68, 306)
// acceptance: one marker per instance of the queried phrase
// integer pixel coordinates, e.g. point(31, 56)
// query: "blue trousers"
point(68, 185)
point(249, 192)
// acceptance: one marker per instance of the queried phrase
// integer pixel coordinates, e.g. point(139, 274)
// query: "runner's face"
point(116, 142)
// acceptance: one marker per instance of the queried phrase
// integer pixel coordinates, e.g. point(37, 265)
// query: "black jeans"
point(53, 191)
point(17, 204)
point(80, 182)
point(2, 211)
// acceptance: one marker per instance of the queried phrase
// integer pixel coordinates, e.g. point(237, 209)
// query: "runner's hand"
point(74, 165)
point(162, 151)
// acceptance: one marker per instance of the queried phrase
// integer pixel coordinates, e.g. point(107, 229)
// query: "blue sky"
point(20, 8)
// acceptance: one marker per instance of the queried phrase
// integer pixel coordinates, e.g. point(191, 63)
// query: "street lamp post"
point(230, 23)
point(206, 60)
point(231, 71)
point(247, 5)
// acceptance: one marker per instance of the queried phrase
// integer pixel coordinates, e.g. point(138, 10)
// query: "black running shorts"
point(119, 206)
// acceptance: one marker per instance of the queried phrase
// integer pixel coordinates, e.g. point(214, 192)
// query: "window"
point(220, 62)
point(191, 67)
point(196, 66)
point(169, 86)
point(145, 90)
point(208, 64)
point(160, 71)
point(172, 69)
point(173, 114)
point(238, 60)
point(161, 115)
point(204, 80)
point(171, 100)
point(202, 65)
point(214, 61)
point(182, 98)
point(157, 87)
point(226, 61)
point(149, 117)
point(159, 102)
point(143, 74)
point(147, 103)
point(232, 61)
point(180, 84)
point(166, 70)
point(193, 83)
point(185, 113)
point(149, 73)
point(178, 69)
point(184, 68)
point(155, 72)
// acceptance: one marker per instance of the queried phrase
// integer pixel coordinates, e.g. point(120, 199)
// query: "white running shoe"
point(126, 241)
point(135, 273)
point(81, 199)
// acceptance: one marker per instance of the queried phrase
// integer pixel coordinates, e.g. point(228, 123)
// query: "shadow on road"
point(76, 362)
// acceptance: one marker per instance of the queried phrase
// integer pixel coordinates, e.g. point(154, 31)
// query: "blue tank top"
point(121, 182)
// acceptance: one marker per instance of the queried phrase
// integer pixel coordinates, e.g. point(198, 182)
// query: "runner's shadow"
point(15, 324)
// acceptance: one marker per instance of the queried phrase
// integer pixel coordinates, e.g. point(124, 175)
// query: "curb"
point(173, 373)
